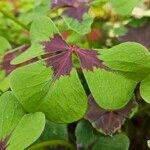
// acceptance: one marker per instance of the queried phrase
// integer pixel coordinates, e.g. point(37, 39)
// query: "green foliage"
point(4, 45)
point(88, 138)
point(10, 113)
point(119, 89)
point(131, 59)
point(117, 142)
point(66, 96)
point(42, 29)
point(124, 7)
point(81, 28)
point(85, 134)
point(17, 125)
point(4, 82)
point(33, 87)
point(39, 8)
point(54, 131)
point(35, 50)
point(30, 84)
point(32, 124)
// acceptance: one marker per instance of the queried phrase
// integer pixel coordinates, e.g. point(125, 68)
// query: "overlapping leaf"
point(110, 90)
point(41, 29)
point(117, 142)
point(131, 59)
point(54, 131)
point(15, 126)
point(107, 121)
point(85, 134)
point(6, 62)
point(89, 138)
point(66, 100)
point(31, 123)
point(10, 114)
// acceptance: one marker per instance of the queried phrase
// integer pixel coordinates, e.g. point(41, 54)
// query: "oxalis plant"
point(58, 92)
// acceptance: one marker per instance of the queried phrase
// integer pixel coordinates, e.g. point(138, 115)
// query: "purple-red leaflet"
point(5, 64)
point(139, 34)
point(75, 8)
point(107, 121)
point(61, 61)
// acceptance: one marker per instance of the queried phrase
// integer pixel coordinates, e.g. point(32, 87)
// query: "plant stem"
point(14, 19)
point(52, 143)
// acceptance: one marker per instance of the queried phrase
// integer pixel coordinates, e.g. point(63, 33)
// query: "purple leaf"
point(139, 34)
point(76, 12)
point(74, 8)
point(55, 44)
point(61, 61)
point(4, 143)
point(61, 3)
point(88, 59)
point(106, 120)
point(6, 65)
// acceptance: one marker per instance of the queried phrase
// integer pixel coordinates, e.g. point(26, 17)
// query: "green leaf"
point(39, 8)
point(124, 7)
point(130, 58)
point(42, 29)
point(33, 51)
point(63, 101)
point(30, 84)
point(85, 134)
point(110, 90)
point(4, 45)
point(4, 84)
point(42, 6)
point(145, 89)
point(66, 100)
point(10, 113)
point(116, 142)
point(27, 131)
point(54, 131)
point(81, 28)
